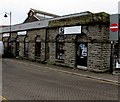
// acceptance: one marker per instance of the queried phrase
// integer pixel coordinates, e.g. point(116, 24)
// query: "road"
point(23, 81)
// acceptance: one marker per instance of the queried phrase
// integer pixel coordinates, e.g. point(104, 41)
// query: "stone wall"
point(98, 47)
point(51, 39)
point(21, 50)
point(32, 34)
point(98, 57)
point(20, 39)
point(52, 52)
point(70, 54)
point(95, 34)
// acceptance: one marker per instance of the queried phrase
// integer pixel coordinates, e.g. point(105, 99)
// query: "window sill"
point(37, 57)
point(59, 60)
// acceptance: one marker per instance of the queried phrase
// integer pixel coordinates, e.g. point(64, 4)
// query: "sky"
point(20, 8)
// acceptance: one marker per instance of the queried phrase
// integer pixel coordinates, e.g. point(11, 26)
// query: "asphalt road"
point(22, 81)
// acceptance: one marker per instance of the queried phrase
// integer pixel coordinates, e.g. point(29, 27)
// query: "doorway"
point(81, 54)
point(37, 46)
point(37, 49)
point(17, 48)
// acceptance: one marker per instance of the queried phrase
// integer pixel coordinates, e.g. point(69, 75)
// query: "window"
point(26, 47)
point(37, 46)
point(60, 47)
point(60, 50)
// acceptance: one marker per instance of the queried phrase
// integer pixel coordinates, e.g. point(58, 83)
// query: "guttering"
point(26, 26)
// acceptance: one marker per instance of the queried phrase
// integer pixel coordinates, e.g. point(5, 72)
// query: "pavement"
point(98, 76)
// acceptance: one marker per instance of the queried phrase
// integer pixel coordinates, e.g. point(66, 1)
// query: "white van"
point(1, 48)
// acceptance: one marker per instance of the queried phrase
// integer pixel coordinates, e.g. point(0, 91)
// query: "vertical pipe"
point(11, 49)
point(46, 46)
point(111, 58)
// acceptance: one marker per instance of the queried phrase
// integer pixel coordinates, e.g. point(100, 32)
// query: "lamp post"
point(6, 15)
point(9, 39)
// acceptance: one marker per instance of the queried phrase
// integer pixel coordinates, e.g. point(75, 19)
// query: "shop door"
point(82, 54)
point(17, 48)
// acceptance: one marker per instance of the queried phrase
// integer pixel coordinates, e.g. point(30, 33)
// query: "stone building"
point(78, 40)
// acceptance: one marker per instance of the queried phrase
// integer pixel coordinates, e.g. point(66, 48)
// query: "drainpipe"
point(45, 45)
point(111, 58)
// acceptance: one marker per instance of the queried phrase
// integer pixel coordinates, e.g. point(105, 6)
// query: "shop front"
point(73, 41)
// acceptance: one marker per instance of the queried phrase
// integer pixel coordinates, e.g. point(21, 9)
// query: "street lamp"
point(6, 15)
point(9, 39)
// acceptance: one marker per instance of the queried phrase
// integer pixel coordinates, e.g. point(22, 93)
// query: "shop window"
point(26, 47)
point(60, 51)
point(37, 46)
point(60, 47)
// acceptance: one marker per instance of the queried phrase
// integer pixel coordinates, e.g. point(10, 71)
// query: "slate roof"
point(38, 15)
point(83, 18)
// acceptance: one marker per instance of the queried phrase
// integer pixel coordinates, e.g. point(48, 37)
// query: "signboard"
point(72, 30)
point(114, 27)
point(6, 34)
point(22, 33)
point(117, 65)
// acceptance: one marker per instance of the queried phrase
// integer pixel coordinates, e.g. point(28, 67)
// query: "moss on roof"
point(101, 17)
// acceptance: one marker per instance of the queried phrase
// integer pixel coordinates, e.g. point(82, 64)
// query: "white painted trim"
point(81, 67)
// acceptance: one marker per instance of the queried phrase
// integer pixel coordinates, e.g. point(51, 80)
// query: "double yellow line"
point(92, 79)
point(3, 99)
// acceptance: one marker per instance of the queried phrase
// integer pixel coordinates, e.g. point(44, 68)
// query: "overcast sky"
point(20, 8)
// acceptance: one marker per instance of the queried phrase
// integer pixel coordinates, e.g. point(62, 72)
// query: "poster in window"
point(84, 50)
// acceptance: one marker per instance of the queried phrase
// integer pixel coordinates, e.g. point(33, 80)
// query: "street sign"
point(114, 27)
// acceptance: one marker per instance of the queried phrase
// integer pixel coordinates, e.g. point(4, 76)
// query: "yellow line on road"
point(92, 79)
point(3, 99)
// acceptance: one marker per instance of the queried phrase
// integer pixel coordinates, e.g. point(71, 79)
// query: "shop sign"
point(72, 30)
point(6, 34)
point(22, 33)
point(117, 65)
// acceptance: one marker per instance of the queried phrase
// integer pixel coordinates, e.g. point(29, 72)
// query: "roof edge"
point(44, 13)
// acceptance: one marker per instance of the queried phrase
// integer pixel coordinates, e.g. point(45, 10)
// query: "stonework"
point(98, 56)
point(95, 36)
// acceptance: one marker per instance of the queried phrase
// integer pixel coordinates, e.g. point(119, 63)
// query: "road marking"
point(92, 79)
point(3, 99)
point(74, 74)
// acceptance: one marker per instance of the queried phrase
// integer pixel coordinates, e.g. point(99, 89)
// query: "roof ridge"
point(44, 13)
